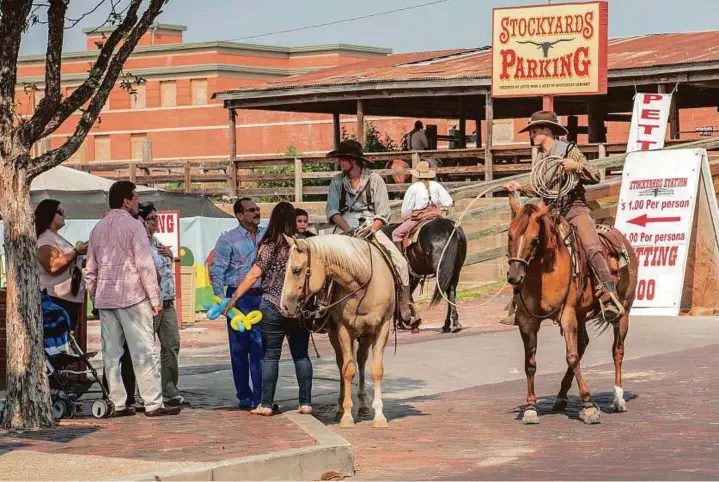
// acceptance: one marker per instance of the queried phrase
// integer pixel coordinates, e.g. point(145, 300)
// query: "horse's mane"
point(548, 231)
point(344, 252)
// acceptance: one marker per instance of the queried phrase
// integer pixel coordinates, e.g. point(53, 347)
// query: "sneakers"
point(163, 411)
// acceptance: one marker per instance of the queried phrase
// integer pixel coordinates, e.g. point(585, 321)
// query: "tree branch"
point(57, 156)
point(13, 15)
point(88, 88)
point(31, 130)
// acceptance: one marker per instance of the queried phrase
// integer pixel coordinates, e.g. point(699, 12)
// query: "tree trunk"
point(28, 406)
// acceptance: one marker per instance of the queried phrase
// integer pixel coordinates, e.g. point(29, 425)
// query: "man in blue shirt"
point(235, 253)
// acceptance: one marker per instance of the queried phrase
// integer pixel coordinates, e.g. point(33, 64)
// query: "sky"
point(445, 25)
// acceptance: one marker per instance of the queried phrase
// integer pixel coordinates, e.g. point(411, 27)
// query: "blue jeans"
point(275, 327)
point(246, 354)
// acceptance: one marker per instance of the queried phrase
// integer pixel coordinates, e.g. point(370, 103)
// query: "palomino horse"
point(362, 307)
point(436, 240)
point(545, 286)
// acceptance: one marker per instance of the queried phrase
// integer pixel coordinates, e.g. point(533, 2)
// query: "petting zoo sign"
point(546, 50)
point(668, 211)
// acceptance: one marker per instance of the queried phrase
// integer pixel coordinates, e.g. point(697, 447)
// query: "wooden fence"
point(294, 178)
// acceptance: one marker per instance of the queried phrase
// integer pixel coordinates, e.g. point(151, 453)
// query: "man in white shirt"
point(423, 200)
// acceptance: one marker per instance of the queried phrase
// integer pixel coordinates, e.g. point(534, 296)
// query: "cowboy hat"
point(546, 118)
point(423, 171)
point(349, 148)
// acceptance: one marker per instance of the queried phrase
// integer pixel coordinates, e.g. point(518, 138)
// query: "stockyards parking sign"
point(543, 50)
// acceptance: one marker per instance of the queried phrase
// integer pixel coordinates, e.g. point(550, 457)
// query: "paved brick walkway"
point(196, 435)
point(670, 431)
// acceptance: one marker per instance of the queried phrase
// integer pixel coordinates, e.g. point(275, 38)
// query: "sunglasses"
point(61, 212)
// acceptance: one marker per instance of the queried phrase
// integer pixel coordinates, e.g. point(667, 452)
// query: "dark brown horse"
point(541, 269)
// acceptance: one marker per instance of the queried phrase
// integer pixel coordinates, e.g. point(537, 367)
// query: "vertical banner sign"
point(649, 122)
point(656, 212)
point(168, 230)
point(546, 50)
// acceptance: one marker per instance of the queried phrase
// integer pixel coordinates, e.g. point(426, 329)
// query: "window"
point(168, 93)
point(136, 142)
point(199, 91)
point(102, 148)
point(80, 156)
point(137, 100)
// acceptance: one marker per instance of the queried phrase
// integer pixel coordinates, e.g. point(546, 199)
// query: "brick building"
point(173, 108)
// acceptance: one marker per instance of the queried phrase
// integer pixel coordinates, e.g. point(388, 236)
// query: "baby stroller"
point(64, 361)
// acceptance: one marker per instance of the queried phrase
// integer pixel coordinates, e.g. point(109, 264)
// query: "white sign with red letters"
point(168, 230)
point(656, 211)
point(649, 122)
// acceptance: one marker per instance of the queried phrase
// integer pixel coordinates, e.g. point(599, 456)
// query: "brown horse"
point(541, 269)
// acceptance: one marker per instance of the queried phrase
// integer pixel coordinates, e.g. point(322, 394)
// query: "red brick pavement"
point(193, 436)
point(670, 431)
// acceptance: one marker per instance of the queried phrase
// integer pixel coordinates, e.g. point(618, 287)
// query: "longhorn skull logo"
point(545, 46)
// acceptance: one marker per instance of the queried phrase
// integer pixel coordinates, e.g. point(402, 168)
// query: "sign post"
point(168, 233)
point(668, 211)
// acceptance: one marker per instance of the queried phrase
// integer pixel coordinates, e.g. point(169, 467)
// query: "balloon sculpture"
point(238, 320)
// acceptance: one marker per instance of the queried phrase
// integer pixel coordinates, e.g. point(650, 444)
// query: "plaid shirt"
point(235, 253)
point(120, 270)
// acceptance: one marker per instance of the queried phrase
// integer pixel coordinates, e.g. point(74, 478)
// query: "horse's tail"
point(450, 264)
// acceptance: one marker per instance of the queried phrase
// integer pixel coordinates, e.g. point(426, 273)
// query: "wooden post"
point(489, 120)
point(572, 127)
point(595, 121)
point(133, 172)
point(336, 130)
point(602, 155)
point(298, 180)
point(360, 122)
point(462, 124)
point(478, 132)
point(188, 177)
point(673, 112)
point(232, 166)
point(548, 102)
point(415, 160)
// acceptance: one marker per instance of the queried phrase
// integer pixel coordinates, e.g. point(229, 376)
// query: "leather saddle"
point(413, 236)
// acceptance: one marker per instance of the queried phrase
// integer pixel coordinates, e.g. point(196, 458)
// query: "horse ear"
point(543, 209)
point(514, 204)
point(290, 240)
point(302, 245)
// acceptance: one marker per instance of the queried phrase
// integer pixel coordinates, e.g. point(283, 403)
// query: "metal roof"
point(625, 54)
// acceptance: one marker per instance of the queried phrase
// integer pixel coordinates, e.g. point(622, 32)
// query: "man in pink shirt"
point(122, 283)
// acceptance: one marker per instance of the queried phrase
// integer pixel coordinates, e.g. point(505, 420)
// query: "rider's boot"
point(511, 318)
point(613, 308)
point(405, 312)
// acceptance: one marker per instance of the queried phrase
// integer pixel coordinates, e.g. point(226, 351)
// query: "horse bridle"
point(523, 261)
point(305, 296)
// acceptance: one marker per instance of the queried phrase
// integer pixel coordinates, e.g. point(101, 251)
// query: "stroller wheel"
point(102, 409)
point(59, 408)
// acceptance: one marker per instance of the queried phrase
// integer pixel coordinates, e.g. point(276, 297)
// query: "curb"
point(331, 453)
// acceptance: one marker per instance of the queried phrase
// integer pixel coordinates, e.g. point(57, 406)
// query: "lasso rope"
point(549, 180)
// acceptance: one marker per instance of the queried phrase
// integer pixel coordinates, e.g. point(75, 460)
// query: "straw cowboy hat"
point(351, 149)
point(546, 118)
point(423, 171)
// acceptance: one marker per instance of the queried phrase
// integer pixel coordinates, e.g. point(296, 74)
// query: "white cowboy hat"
point(423, 171)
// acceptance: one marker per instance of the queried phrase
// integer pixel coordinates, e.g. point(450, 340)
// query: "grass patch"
point(471, 294)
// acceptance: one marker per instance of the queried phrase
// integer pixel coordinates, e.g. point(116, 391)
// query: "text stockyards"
point(556, 49)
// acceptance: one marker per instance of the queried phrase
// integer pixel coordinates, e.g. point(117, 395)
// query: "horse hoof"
point(530, 417)
point(446, 329)
point(560, 404)
point(619, 405)
point(363, 412)
point(590, 415)
point(347, 422)
point(414, 330)
point(457, 328)
point(380, 423)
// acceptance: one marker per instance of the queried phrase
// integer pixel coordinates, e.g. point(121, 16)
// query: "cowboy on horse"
point(356, 193)
point(544, 130)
